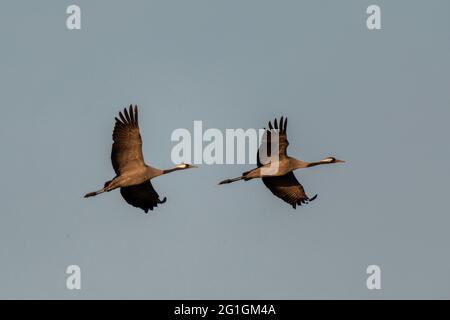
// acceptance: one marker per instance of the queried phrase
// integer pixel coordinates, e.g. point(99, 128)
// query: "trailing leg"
point(108, 187)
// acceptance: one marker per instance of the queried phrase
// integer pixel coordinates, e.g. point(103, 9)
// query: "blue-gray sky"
point(379, 99)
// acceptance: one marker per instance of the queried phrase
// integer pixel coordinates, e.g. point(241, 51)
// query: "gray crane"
point(277, 173)
point(132, 174)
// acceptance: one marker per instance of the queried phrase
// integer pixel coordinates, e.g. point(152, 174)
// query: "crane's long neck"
point(300, 164)
point(154, 172)
point(173, 169)
point(303, 164)
point(317, 163)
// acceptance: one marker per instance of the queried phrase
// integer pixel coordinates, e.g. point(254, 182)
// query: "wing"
point(127, 147)
point(275, 135)
point(141, 196)
point(288, 189)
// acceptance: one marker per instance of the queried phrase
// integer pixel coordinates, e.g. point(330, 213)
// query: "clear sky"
point(378, 99)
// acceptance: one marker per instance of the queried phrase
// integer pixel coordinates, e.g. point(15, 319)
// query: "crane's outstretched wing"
point(275, 137)
point(126, 151)
point(142, 196)
point(287, 188)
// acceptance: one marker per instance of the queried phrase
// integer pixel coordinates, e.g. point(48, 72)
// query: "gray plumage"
point(132, 174)
point(276, 171)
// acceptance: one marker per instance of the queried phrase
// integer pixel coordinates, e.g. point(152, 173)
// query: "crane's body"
point(132, 174)
point(276, 171)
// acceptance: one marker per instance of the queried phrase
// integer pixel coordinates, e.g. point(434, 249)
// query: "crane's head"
point(182, 166)
point(331, 160)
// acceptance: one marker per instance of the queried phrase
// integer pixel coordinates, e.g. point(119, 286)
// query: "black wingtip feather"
point(278, 124)
point(136, 115)
point(122, 118)
point(127, 116)
point(131, 114)
point(118, 120)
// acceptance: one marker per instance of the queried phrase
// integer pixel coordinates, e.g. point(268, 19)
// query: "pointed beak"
point(339, 161)
point(192, 166)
